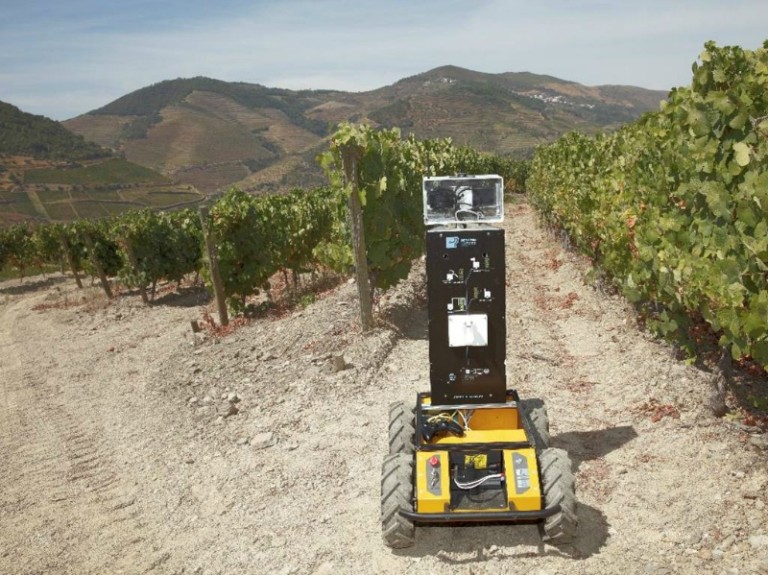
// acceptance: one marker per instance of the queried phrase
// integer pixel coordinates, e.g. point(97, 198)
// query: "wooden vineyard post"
point(349, 156)
point(70, 259)
point(135, 265)
point(97, 264)
point(213, 262)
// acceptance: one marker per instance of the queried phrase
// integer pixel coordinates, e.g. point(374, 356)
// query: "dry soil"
point(130, 444)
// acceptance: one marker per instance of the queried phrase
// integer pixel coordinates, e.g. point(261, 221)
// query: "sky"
point(63, 58)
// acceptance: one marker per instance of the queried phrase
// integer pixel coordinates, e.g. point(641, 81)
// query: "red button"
point(434, 461)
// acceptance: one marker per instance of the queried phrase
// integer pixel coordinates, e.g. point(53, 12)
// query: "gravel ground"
point(130, 444)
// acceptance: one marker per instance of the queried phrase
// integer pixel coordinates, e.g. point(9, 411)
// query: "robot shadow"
point(459, 544)
point(589, 445)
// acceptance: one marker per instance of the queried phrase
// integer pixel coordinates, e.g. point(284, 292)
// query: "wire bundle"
point(477, 482)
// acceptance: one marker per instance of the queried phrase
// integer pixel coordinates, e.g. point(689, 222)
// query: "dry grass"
point(102, 129)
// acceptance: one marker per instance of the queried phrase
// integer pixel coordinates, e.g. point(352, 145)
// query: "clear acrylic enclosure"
point(463, 199)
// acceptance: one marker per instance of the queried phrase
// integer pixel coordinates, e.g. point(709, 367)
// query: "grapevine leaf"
point(741, 151)
point(739, 121)
point(759, 352)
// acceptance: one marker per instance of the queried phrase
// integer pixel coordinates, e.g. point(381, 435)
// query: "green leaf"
point(717, 199)
point(746, 214)
point(759, 351)
point(741, 154)
point(698, 122)
point(754, 324)
point(739, 121)
point(722, 103)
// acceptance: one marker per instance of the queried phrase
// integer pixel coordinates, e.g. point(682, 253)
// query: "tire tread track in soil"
point(55, 465)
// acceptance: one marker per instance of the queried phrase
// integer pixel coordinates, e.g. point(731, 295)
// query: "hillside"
point(48, 173)
point(39, 137)
point(212, 134)
point(506, 112)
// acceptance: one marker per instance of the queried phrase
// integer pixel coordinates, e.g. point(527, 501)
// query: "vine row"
point(674, 208)
point(257, 236)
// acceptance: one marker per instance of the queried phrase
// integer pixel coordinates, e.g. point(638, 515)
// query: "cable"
point(466, 310)
point(466, 285)
point(478, 215)
point(478, 482)
point(442, 417)
point(460, 191)
point(454, 417)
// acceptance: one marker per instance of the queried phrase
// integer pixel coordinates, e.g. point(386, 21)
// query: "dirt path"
point(130, 445)
point(71, 440)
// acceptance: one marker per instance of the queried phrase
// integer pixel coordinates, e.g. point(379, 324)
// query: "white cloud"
point(85, 56)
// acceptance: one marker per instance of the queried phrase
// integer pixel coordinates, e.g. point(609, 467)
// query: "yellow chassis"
point(498, 427)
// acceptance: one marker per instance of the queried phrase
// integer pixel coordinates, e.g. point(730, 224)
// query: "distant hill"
point(213, 134)
point(48, 173)
point(39, 137)
point(504, 113)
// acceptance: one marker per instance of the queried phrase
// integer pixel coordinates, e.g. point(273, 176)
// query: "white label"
point(468, 330)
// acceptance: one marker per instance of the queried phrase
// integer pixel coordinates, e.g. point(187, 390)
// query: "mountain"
point(212, 134)
point(48, 173)
point(504, 113)
point(42, 138)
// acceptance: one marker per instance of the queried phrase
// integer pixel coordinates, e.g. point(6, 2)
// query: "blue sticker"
point(451, 243)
